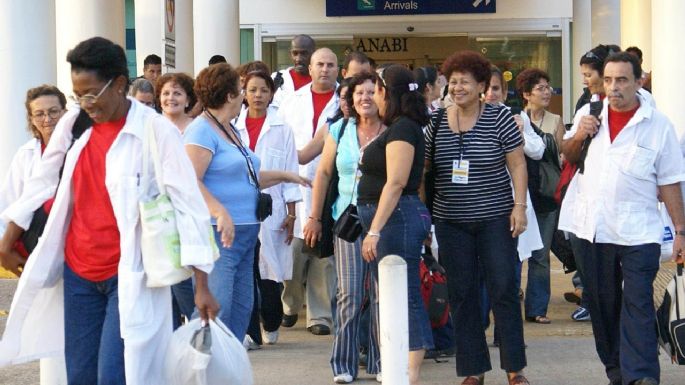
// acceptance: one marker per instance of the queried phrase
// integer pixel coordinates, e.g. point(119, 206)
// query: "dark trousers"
point(619, 281)
point(267, 303)
point(466, 249)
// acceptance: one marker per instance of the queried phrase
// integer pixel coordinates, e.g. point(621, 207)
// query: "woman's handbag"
point(348, 227)
point(160, 241)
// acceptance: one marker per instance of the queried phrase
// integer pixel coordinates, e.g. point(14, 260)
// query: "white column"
point(184, 37)
point(217, 31)
point(78, 20)
point(394, 320)
point(582, 42)
point(667, 85)
point(636, 28)
point(606, 22)
point(27, 50)
point(149, 31)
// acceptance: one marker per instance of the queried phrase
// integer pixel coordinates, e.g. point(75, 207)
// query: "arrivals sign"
point(406, 7)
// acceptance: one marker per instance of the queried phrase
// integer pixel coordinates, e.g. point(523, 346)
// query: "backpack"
point(434, 290)
point(670, 318)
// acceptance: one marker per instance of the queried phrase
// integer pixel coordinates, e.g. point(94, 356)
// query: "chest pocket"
point(275, 159)
point(639, 162)
point(125, 194)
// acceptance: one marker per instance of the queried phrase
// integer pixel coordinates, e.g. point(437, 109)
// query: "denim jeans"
point(618, 280)
point(183, 301)
point(466, 249)
point(93, 347)
point(538, 289)
point(402, 235)
point(232, 280)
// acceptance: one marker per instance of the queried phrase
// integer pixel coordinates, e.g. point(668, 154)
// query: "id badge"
point(460, 172)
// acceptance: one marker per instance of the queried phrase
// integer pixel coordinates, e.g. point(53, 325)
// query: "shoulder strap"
point(435, 123)
point(150, 150)
point(342, 129)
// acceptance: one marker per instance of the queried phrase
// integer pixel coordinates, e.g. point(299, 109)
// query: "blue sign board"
point(406, 7)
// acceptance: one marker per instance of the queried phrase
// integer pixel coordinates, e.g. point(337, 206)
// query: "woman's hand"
point(225, 227)
point(288, 226)
point(205, 302)
point(369, 248)
point(312, 232)
point(11, 260)
point(291, 177)
point(518, 220)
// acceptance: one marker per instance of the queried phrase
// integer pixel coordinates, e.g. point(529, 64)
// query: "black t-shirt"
point(373, 165)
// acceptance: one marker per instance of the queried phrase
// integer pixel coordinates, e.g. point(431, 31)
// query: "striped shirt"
point(488, 193)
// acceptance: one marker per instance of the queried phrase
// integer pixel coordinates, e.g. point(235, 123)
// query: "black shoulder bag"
point(430, 175)
point(324, 247)
point(40, 217)
point(264, 201)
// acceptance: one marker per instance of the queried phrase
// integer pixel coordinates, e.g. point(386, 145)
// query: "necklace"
point(480, 110)
point(369, 138)
point(541, 119)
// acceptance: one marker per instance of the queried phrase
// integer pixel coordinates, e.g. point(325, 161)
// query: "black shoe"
point(289, 320)
point(646, 381)
point(319, 330)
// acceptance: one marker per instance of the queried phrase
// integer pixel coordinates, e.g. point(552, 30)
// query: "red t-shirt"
point(254, 127)
point(299, 80)
point(320, 101)
point(618, 120)
point(92, 248)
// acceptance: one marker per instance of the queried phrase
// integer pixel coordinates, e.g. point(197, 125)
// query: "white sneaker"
point(249, 343)
point(379, 378)
point(344, 378)
point(270, 338)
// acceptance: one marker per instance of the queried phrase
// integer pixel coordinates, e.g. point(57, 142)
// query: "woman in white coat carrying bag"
point(83, 291)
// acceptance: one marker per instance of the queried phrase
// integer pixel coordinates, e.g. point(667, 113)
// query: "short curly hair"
point(35, 93)
point(101, 56)
point(183, 80)
point(470, 62)
point(353, 82)
point(529, 78)
point(215, 83)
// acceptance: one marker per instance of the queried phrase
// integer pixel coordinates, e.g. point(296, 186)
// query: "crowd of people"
point(303, 180)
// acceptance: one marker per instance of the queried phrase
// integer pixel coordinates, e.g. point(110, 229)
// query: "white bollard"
point(394, 320)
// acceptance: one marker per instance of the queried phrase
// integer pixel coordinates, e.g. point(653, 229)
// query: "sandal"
point(519, 379)
point(474, 380)
point(540, 319)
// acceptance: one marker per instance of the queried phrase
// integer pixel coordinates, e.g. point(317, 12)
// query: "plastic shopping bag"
point(209, 355)
point(669, 234)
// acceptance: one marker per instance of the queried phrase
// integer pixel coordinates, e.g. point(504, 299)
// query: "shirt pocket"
point(639, 162)
point(125, 195)
point(275, 159)
point(631, 220)
point(135, 302)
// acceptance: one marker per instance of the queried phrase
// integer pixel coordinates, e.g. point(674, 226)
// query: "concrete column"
point(636, 28)
point(149, 31)
point(667, 59)
point(217, 31)
point(78, 20)
point(184, 37)
point(606, 22)
point(27, 50)
point(582, 42)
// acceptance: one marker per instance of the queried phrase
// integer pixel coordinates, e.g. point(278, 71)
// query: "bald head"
point(301, 48)
point(324, 70)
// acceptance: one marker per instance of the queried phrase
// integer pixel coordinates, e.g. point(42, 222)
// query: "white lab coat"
point(22, 167)
point(615, 200)
point(35, 327)
point(276, 150)
point(297, 112)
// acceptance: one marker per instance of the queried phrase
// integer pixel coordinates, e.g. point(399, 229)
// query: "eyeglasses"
point(543, 88)
point(88, 98)
point(52, 113)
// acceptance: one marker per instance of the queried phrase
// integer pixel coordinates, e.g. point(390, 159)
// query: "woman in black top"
point(476, 154)
point(395, 220)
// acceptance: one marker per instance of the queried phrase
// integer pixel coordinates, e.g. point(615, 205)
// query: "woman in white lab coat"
point(83, 291)
point(261, 128)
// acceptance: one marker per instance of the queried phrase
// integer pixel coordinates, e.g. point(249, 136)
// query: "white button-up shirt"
point(615, 200)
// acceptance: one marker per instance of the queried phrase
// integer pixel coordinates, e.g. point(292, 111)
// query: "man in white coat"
point(293, 78)
point(304, 112)
point(612, 207)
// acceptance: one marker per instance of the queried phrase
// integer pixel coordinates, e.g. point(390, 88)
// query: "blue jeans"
point(93, 347)
point(232, 280)
point(538, 289)
point(618, 280)
point(403, 235)
point(183, 301)
point(466, 249)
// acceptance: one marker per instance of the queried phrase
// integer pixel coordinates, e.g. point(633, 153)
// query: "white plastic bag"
point(220, 361)
point(669, 234)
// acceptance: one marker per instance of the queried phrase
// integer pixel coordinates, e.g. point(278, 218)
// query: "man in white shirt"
point(293, 78)
point(305, 111)
point(634, 157)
